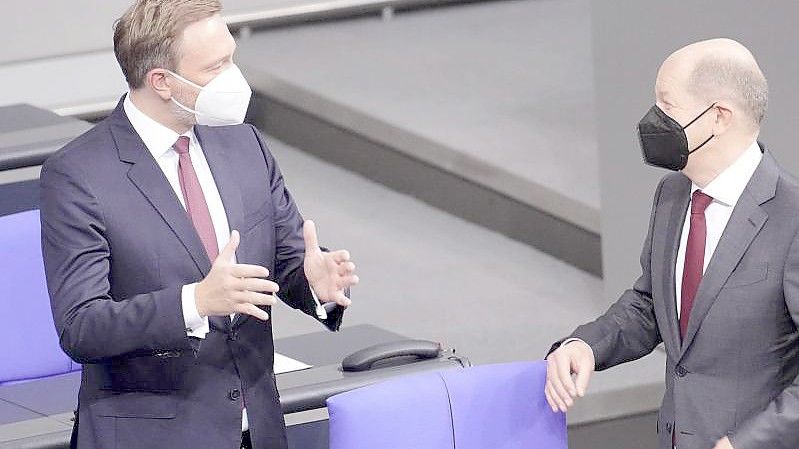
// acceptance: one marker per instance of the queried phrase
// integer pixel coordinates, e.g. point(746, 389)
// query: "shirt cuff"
point(320, 310)
point(571, 340)
point(196, 325)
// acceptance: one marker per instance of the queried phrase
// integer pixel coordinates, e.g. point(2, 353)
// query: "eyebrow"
point(223, 58)
point(218, 61)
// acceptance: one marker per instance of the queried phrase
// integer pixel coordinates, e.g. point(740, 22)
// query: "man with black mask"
point(719, 283)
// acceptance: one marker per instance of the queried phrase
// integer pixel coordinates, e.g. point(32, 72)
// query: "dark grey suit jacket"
point(735, 372)
point(118, 247)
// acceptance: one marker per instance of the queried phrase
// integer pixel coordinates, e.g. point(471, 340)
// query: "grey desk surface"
point(10, 413)
point(29, 134)
point(329, 348)
point(45, 397)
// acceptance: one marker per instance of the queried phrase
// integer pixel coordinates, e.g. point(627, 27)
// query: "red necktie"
point(196, 206)
point(694, 257)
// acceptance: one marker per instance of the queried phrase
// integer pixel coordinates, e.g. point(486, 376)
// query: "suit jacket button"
point(680, 371)
point(234, 394)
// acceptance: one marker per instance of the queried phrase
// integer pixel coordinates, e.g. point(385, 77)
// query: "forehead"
point(672, 79)
point(205, 41)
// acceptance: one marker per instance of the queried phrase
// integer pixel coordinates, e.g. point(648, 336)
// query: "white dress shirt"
point(159, 141)
point(725, 189)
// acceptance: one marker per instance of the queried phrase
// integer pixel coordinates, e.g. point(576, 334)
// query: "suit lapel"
point(677, 203)
point(745, 223)
point(220, 161)
point(147, 176)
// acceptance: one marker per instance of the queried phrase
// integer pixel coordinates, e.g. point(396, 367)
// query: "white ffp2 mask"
point(223, 101)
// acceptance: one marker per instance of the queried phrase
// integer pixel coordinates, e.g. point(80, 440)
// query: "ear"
point(724, 113)
point(158, 80)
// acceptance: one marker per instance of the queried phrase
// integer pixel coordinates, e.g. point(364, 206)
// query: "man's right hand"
point(234, 288)
point(574, 357)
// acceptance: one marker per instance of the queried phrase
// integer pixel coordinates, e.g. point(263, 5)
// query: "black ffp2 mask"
point(663, 140)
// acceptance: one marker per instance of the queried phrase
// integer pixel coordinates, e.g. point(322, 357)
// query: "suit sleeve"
point(778, 425)
point(290, 246)
point(92, 325)
point(628, 330)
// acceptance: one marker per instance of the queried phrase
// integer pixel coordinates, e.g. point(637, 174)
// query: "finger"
point(583, 370)
point(252, 310)
point(341, 299)
point(565, 374)
point(257, 285)
point(241, 270)
point(259, 299)
point(558, 405)
point(552, 376)
point(349, 281)
point(346, 268)
point(546, 395)
point(341, 256)
point(561, 394)
point(309, 233)
point(550, 401)
point(227, 253)
point(561, 405)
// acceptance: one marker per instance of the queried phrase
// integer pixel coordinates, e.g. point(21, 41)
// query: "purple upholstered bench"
point(490, 406)
point(29, 346)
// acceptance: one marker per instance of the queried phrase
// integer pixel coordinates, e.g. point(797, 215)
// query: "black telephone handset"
point(366, 358)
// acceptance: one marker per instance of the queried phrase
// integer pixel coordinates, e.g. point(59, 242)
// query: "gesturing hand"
point(234, 288)
point(328, 273)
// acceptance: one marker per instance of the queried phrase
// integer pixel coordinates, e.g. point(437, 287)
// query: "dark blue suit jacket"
point(118, 247)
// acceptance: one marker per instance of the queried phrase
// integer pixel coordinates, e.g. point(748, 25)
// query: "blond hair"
point(147, 36)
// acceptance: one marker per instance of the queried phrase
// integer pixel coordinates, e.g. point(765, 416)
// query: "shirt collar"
point(728, 186)
point(156, 137)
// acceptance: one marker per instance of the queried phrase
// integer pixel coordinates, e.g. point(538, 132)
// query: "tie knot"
point(700, 201)
point(182, 145)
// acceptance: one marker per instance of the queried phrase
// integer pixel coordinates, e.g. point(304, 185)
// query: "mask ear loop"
point(703, 143)
point(697, 118)
point(196, 86)
point(184, 107)
point(179, 104)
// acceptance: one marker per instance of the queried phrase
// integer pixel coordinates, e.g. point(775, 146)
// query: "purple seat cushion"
point(409, 412)
point(491, 406)
point(504, 407)
point(29, 346)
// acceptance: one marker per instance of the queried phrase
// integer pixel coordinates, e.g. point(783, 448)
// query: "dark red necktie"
point(196, 206)
point(694, 257)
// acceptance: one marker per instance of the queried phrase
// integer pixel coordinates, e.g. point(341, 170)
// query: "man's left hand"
point(329, 274)
point(723, 443)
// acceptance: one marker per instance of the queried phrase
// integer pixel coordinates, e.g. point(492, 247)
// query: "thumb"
point(229, 250)
point(309, 232)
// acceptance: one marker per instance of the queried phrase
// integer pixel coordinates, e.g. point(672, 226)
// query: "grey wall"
point(631, 39)
point(33, 29)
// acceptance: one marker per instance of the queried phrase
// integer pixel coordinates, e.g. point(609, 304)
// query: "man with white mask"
point(167, 230)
